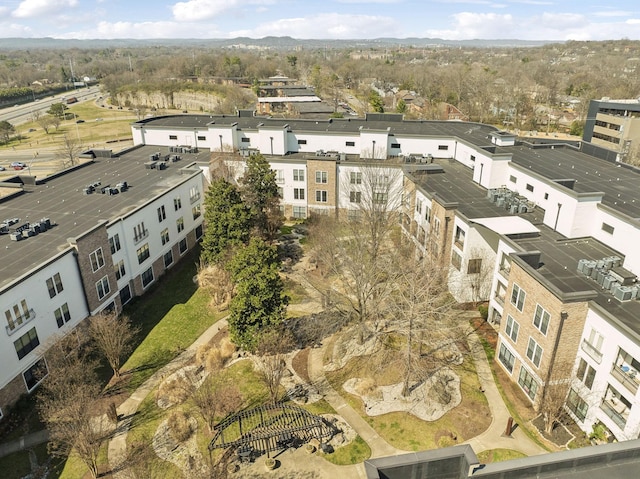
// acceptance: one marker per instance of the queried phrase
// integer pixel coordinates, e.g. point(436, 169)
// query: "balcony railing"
point(618, 412)
point(20, 321)
point(140, 235)
point(627, 379)
point(499, 299)
point(593, 353)
point(194, 197)
point(505, 269)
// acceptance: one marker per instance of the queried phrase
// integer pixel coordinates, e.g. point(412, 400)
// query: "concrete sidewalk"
point(24, 442)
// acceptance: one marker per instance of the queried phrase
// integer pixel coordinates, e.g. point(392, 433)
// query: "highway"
point(22, 113)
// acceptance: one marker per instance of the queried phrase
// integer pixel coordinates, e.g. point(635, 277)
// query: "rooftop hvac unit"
point(162, 165)
point(608, 263)
point(500, 201)
point(624, 293)
point(600, 263)
point(15, 236)
point(606, 283)
point(523, 208)
point(589, 267)
point(613, 286)
point(594, 272)
point(600, 278)
point(47, 222)
point(581, 264)
point(490, 193)
point(513, 209)
point(617, 261)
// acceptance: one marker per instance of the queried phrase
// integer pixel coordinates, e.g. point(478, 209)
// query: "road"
point(22, 113)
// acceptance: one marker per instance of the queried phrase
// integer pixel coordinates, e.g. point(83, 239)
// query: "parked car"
point(2, 168)
point(80, 121)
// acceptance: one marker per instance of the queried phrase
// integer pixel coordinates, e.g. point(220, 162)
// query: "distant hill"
point(276, 43)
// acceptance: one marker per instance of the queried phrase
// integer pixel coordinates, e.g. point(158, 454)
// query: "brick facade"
point(328, 166)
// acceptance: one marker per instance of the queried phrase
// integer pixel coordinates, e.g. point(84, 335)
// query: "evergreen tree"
point(227, 220)
point(260, 193)
point(260, 300)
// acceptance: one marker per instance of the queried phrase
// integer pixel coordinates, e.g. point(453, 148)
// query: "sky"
point(552, 20)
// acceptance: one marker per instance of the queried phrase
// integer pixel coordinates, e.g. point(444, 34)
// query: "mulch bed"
point(560, 436)
point(300, 363)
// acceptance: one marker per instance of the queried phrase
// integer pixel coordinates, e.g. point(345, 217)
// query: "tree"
point(260, 193)
point(113, 335)
point(68, 403)
point(216, 397)
point(554, 394)
point(401, 106)
point(45, 121)
point(292, 60)
point(68, 151)
point(271, 350)
point(6, 130)
point(376, 102)
point(260, 300)
point(58, 109)
point(227, 218)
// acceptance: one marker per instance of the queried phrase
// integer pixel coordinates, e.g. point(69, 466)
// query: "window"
point(125, 294)
point(62, 315)
point(607, 228)
point(173, 137)
point(541, 319)
point(321, 177)
point(299, 212)
point(143, 253)
point(147, 277)
point(198, 231)
point(139, 232)
point(114, 243)
point(585, 373)
point(19, 317)
point(546, 196)
point(194, 194)
point(202, 138)
point(183, 245)
point(168, 258)
point(534, 352)
point(577, 405)
point(528, 383)
point(436, 227)
point(395, 145)
point(196, 211)
point(355, 178)
point(506, 357)
point(472, 158)
point(379, 198)
point(164, 236)
point(321, 196)
point(456, 259)
point(298, 175)
point(355, 196)
point(279, 176)
point(505, 263)
point(245, 140)
point(350, 143)
point(177, 203)
point(513, 179)
point(419, 206)
point(298, 193)
point(54, 285)
point(459, 238)
point(280, 192)
point(180, 224)
point(26, 343)
point(443, 147)
point(501, 291)
point(102, 287)
point(427, 214)
point(512, 327)
point(517, 297)
point(302, 142)
point(97, 260)
point(119, 269)
point(35, 374)
point(162, 215)
point(529, 187)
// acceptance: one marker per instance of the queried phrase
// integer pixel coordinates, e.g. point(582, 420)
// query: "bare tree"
point(554, 395)
point(273, 345)
point(216, 397)
point(113, 335)
point(69, 151)
point(45, 121)
point(68, 404)
point(216, 280)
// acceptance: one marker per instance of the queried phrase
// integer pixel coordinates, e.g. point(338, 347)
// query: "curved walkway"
point(117, 449)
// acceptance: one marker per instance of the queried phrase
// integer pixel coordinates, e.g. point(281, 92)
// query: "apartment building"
point(542, 231)
point(615, 125)
point(85, 240)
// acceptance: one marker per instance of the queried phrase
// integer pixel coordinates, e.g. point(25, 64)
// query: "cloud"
point(612, 13)
point(467, 25)
point(15, 30)
point(369, 1)
point(199, 10)
point(328, 26)
point(144, 30)
point(41, 8)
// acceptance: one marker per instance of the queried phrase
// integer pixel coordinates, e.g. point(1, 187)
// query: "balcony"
point(194, 197)
point(627, 377)
point(616, 410)
point(591, 351)
point(504, 270)
point(140, 235)
point(20, 321)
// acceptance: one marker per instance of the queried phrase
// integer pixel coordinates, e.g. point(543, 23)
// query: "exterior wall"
point(373, 144)
point(328, 166)
point(565, 328)
point(33, 289)
point(500, 282)
point(624, 238)
point(491, 172)
point(310, 142)
point(441, 237)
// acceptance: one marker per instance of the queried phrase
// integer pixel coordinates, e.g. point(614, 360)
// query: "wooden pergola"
point(268, 428)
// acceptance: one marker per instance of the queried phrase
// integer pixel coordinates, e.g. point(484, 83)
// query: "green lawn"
point(498, 455)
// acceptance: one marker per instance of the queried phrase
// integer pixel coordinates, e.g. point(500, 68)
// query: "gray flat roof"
point(62, 200)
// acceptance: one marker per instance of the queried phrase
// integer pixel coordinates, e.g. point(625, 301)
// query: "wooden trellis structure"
point(268, 428)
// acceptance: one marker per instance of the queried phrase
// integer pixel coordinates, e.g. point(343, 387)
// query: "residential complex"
point(542, 231)
point(615, 125)
point(85, 240)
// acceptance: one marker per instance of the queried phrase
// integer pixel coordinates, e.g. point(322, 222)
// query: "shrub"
point(483, 309)
point(179, 426)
